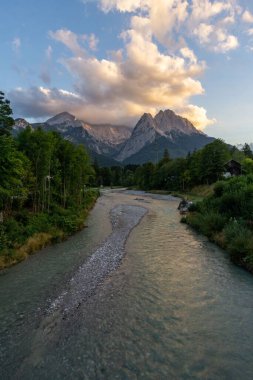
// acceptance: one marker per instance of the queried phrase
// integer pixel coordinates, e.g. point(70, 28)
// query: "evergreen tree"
point(213, 158)
point(6, 121)
point(13, 166)
point(166, 158)
point(247, 151)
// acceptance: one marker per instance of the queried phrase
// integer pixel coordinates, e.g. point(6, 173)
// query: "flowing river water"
point(136, 295)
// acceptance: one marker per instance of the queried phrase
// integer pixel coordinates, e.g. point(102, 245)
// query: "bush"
point(219, 188)
point(38, 223)
point(239, 241)
point(14, 231)
point(208, 224)
point(212, 222)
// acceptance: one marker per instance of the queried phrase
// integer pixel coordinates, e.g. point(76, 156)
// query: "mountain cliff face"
point(143, 134)
point(104, 139)
point(119, 144)
point(165, 130)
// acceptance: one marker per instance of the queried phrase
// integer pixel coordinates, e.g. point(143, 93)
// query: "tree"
point(166, 158)
point(144, 175)
point(6, 121)
point(247, 165)
point(12, 173)
point(247, 151)
point(213, 159)
point(39, 147)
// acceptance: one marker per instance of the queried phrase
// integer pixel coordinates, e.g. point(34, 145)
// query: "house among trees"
point(233, 168)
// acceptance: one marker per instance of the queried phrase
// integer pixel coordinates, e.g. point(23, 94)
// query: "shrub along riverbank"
point(26, 232)
point(226, 218)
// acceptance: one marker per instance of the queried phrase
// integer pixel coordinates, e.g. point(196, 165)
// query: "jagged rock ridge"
point(165, 124)
point(119, 144)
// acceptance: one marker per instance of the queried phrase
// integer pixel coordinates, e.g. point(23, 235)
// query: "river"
point(135, 295)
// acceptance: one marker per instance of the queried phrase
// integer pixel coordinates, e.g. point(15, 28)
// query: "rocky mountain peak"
point(21, 123)
point(61, 118)
point(143, 133)
point(168, 121)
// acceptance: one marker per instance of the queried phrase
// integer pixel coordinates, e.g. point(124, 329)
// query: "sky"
point(113, 60)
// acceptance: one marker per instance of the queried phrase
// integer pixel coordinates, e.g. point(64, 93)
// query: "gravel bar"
point(105, 259)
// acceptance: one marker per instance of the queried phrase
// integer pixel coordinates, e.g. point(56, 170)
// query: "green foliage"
point(38, 223)
point(15, 231)
point(201, 167)
point(247, 165)
point(6, 121)
point(227, 218)
point(207, 223)
point(3, 238)
point(239, 241)
point(13, 170)
point(247, 151)
point(213, 158)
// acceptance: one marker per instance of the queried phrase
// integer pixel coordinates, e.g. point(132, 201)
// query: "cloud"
point(124, 87)
point(43, 102)
point(155, 68)
point(70, 40)
point(168, 17)
point(205, 9)
point(49, 52)
point(16, 44)
point(247, 17)
point(45, 74)
point(93, 42)
point(122, 5)
point(216, 39)
point(197, 115)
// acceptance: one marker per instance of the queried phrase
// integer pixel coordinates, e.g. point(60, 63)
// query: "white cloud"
point(49, 52)
point(70, 40)
point(167, 17)
point(188, 53)
point(197, 115)
point(122, 5)
point(93, 42)
point(217, 39)
point(16, 44)
point(247, 17)
point(205, 9)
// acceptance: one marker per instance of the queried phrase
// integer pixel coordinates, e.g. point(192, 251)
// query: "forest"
point(202, 167)
point(44, 188)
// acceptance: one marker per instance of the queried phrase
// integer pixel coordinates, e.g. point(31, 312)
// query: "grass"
point(196, 194)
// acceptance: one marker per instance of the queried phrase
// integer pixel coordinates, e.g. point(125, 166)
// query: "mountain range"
point(120, 144)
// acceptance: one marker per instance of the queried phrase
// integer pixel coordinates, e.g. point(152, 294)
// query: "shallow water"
point(175, 308)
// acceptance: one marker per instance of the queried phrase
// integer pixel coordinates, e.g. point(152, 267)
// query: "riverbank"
point(196, 194)
point(226, 218)
point(25, 233)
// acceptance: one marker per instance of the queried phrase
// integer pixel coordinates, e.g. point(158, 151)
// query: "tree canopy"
point(6, 121)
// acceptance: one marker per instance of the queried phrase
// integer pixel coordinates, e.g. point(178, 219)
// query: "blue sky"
point(112, 60)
